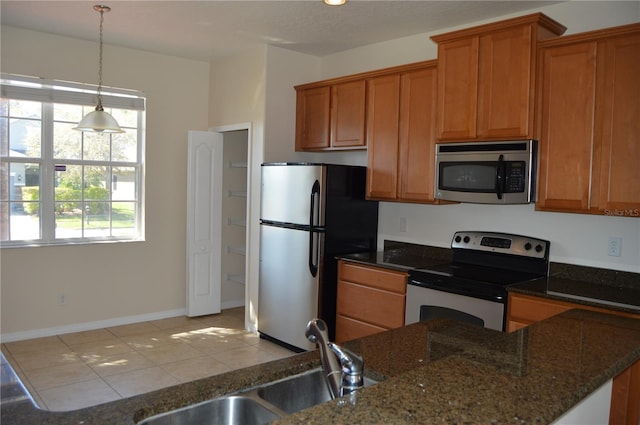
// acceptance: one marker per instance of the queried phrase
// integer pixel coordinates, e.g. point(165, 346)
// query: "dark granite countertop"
point(402, 256)
point(590, 286)
point(431, 372)
point(582, 293)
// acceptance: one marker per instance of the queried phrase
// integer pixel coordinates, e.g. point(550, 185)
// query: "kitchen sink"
point(255, 406)
point(299, 392)
point(230, 410)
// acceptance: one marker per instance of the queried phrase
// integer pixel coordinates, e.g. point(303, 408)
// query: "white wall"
point(119, 281)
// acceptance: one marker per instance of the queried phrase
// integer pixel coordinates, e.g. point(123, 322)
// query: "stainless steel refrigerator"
point(310, 213)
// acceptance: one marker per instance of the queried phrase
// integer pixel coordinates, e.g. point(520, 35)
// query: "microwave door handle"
point(500, 176)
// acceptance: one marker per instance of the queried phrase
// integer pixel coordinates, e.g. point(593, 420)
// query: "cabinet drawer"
point(375, 306)
point(387, 280)
point(348, 329)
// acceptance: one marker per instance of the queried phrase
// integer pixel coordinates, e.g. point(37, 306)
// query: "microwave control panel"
point(515, 177)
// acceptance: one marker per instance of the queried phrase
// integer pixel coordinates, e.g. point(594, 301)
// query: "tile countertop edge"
point(421, 389)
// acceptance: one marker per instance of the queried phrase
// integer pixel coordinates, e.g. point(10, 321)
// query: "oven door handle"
point(500, 176)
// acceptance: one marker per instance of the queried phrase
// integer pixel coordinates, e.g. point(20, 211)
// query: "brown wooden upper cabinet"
point(589, 122)
point(401, 134)
point(330, 116)
point(486, 78)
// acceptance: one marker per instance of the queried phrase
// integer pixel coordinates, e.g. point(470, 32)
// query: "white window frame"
point(51, 92)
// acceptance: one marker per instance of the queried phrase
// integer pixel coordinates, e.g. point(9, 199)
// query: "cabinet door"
point(312, 118)
point(348, 114)
point(457, 89)
point(505, 84)
point(618, 120)
point(383, 108)
point(417, 134)
point(567, 90)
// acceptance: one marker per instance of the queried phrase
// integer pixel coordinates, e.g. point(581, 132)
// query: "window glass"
point(124, 146)
point(96, 146)
point(67, 142)
point(67, 113)
point(20, 201)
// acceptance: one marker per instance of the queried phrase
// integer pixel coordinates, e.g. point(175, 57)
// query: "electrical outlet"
point(614, 249)
point(403, 224)
point(62, 299)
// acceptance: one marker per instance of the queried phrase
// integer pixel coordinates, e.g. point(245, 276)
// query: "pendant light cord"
point(99, 106)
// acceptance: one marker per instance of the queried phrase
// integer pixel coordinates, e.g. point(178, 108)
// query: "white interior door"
point(204, 222)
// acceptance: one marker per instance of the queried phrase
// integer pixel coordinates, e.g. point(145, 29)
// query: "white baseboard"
point(89, 326)
point(232, 304)
point(118, 321)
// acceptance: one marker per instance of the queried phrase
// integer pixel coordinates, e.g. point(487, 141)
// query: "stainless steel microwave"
point(486, 172)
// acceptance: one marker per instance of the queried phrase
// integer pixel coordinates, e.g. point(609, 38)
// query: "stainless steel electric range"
point(473, 287)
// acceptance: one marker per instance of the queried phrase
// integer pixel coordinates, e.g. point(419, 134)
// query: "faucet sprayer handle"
point(316, 329)
point(317, 333)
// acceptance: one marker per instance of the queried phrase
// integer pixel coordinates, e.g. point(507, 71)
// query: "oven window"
point(468, 176)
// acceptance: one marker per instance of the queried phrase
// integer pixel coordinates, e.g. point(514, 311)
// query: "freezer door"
point(293, 194)
point(288, 292)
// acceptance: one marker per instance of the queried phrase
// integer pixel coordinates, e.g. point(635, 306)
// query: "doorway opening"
point(234, 206)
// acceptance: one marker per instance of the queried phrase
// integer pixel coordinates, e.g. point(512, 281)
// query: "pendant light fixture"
point(99, 121)
point(335, 2)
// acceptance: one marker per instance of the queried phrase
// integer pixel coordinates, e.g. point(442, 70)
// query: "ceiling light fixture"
point(335, 2)
point(99, 121)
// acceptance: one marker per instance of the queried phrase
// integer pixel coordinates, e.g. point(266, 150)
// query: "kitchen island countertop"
point(592, 294)
point(431, 372)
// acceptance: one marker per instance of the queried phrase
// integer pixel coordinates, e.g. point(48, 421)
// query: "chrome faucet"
point(342, 368)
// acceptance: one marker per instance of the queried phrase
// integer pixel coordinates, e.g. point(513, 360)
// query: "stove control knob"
point(458, 239)
point(539, 248)
point(527, 246)
point(466, 239)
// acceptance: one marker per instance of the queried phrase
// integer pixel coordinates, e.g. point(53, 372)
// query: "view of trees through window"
point(57, 183)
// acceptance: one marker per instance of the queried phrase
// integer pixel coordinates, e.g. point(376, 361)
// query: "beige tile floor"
point(71, 371)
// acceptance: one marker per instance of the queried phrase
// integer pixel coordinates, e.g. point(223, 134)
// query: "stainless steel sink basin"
point(299, 392)
point(231, 410)
point(254, 406)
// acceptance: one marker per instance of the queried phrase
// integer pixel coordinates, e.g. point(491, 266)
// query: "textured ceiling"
point(205, 30)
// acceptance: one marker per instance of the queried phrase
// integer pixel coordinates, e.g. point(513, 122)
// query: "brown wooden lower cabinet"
point(370, 300)
point(523, 310)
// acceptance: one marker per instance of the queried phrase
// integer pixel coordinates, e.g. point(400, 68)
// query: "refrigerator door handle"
point(313, 248)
